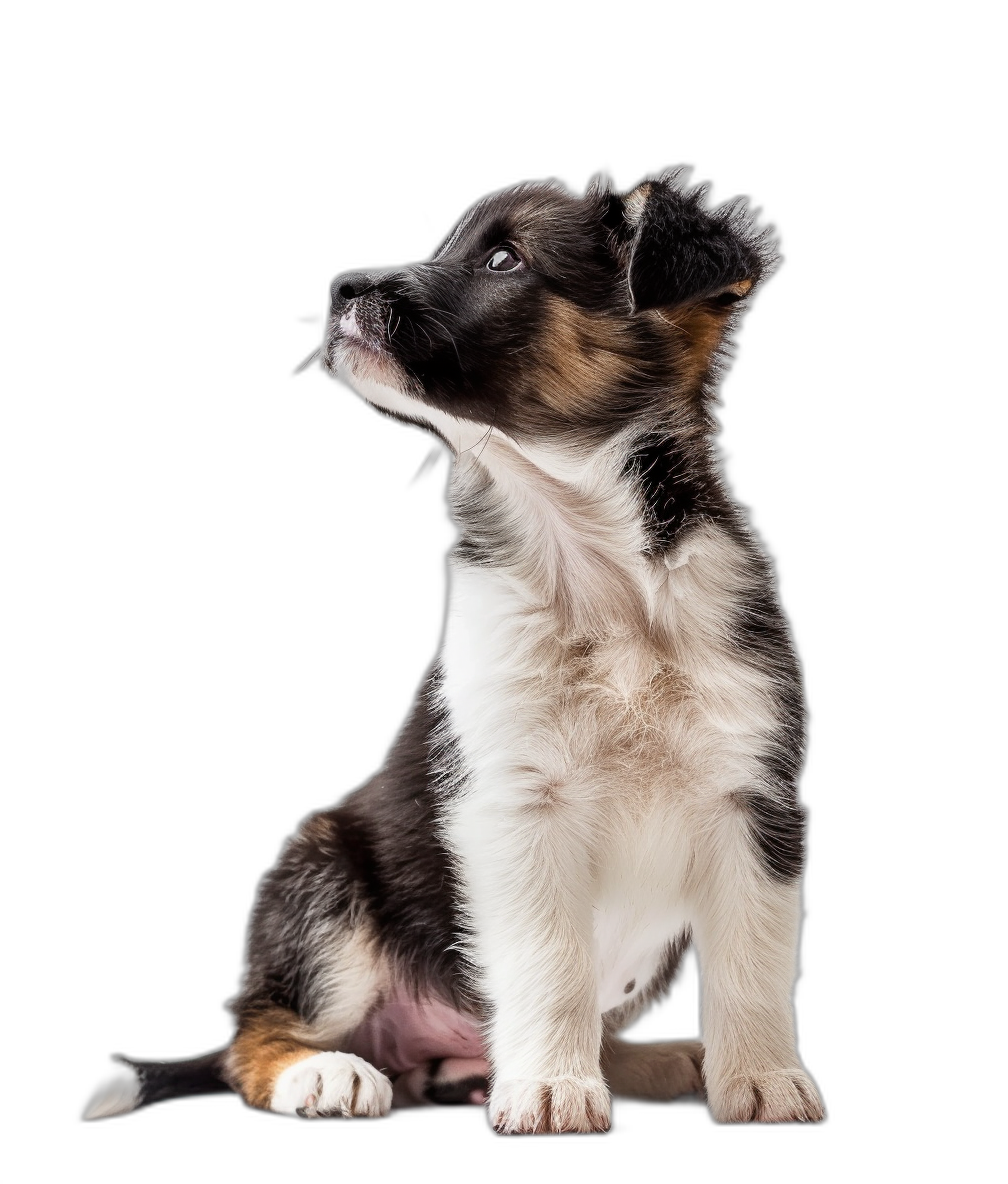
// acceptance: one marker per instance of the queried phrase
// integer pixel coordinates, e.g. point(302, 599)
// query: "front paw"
point(550, 1105)
point(782, 1095)
point(328, 1084)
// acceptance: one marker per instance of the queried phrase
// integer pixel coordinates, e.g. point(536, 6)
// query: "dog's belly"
point(638, 899)
point(405, 1032)
point(628, 954)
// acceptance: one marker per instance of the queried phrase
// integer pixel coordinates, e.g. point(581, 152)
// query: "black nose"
point(349, 286)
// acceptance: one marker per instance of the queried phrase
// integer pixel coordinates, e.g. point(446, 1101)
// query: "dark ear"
point(684, 253)
point(609, 207)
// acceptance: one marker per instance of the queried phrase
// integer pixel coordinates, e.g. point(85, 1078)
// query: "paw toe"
point(781, 1096)
point(558, 1105)
point(330, 1084)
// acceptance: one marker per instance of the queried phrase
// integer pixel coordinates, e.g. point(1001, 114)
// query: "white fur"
point(458, 434)
point(119, 1096)
point(325, 1084)
point(354, 977)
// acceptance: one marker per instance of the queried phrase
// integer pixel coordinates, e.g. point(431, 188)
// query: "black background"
point(252, 572)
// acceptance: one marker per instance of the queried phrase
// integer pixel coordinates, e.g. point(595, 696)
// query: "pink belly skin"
point(405, 1032)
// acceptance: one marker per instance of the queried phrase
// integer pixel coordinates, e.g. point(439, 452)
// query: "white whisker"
point(312, 357)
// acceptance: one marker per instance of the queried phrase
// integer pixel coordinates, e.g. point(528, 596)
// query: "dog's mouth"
point(358, 340)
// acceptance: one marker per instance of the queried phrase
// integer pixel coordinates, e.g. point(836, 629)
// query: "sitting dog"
point(601, 766)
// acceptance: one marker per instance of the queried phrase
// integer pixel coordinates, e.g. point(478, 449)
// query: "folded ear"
point(609, 206)
point(682, 252)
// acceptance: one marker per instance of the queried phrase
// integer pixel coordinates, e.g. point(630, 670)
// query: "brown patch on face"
point(584, 356)
point(266, 1044)
point(696, 332)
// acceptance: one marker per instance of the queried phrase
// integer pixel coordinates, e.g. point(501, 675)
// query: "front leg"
point(523, 844)
point(748, 910)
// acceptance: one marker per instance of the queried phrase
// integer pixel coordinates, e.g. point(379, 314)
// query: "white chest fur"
point(639, 735)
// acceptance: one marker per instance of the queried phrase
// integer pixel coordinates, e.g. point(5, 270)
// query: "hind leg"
point(659, 1071)
point(273, 1068)
point(447, 1081)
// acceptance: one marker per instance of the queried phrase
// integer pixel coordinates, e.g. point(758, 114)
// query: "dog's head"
point(548, 316)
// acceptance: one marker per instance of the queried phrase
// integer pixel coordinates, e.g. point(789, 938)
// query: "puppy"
point(602, 764)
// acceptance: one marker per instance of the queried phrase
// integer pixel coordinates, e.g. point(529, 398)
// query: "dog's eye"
point(503, 259)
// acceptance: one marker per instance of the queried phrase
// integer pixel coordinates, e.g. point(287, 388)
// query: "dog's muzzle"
point(364, 317)
point(358, 314)
point(348, 287)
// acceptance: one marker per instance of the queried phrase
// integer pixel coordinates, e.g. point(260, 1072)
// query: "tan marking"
point(266, 1044)
point(583, 357)
point(698, 331)
point(636, 201)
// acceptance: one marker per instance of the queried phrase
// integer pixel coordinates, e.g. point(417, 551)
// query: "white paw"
point(782, 1095)
point(557, 1105)
point(332, 1083)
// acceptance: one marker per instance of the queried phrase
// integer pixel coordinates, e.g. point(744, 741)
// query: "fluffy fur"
point(602, 764)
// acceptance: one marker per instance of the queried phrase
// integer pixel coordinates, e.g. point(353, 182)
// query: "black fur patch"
point(671, 488)
point(777, 830)
point(483, 537)
point(378, 856)
point(160, 1080)
point(454, 1093)
point(760, 634)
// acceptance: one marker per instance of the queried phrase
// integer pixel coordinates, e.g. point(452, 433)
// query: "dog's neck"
point(574, 530)
point(588, 533)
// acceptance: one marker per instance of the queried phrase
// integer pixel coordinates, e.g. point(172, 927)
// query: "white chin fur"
point(460, 435)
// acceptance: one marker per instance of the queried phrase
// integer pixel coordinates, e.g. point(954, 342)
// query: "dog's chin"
point(374, 375)
point(360, 363)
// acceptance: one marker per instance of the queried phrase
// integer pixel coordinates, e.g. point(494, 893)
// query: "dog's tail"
point(143, 1082)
